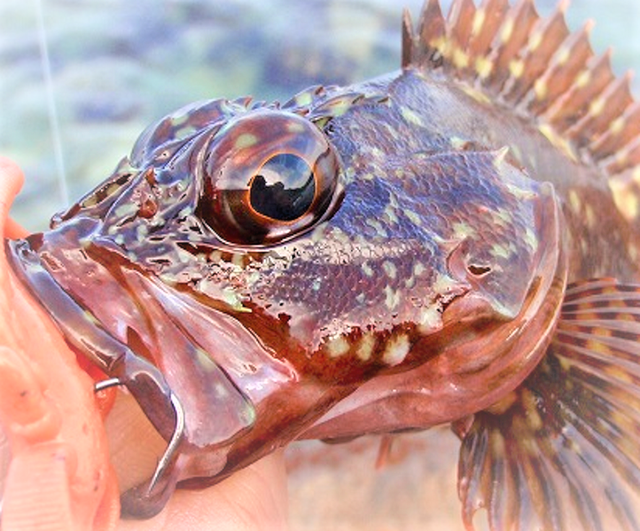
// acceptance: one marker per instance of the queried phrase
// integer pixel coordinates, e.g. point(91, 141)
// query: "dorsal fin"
point(541, 69)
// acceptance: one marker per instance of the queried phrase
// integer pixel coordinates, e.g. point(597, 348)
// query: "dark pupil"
point(284, 188)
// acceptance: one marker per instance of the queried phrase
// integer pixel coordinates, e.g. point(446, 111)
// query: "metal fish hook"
point(172, 448)
point(106, 384)
point(178, 432)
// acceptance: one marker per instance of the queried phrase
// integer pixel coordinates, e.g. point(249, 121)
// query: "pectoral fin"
point(563, 451)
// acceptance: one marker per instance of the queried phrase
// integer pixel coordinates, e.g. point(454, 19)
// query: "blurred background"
point(80, 79)
point(107, 68)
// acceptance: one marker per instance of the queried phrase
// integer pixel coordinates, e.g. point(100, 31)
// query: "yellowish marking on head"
point(237, 259)
point(430, 320)
point(502, 216)
point(457, 143)
point(396, 350)
point(392, 298)
point(499, 157)
point(91, 201)
point(338, 346)
point(411, 116)
point(233, 299)
point(366, 269)
point(317, 235)
point(390, 214)
point(246, 140)
point(295, 127)
point(377, 226)
point(142, 231)
point(413, 217)
point(531, 239)
point(500, 251)
point(365, 347)
point(390, 269)
point(462, 230)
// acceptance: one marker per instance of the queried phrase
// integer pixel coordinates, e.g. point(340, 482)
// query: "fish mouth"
point(474, 365)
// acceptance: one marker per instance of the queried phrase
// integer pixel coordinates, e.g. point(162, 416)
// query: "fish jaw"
point(471, 372)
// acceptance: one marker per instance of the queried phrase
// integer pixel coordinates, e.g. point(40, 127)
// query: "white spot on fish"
point(390, 269)
point(365, 347)
point(396, 350)
point(392, 298)
point(411, 116)
point(367, 270)
point(337, 347)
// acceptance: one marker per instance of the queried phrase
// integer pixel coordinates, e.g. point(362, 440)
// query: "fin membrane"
point(563, 451)
point(539, 68)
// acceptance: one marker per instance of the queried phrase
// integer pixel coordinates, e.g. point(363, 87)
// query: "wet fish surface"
point(455, 242)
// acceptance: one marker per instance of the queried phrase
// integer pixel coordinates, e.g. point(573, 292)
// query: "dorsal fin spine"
point(511, 56)
point(532, 63)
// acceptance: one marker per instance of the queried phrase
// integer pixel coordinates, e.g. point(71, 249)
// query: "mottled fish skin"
point(368, 259)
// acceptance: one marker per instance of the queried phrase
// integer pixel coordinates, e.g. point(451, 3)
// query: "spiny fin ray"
point(559, 453)
point(542, 70)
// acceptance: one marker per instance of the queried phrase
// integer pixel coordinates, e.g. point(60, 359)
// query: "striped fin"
point(538, 67)
point(563, 451)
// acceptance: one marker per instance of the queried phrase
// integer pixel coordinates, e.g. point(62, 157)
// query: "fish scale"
point(455, 242)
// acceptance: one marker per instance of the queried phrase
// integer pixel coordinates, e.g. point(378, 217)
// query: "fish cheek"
point(501, 254)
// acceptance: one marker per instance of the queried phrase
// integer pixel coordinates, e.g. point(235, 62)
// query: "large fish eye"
point(270, 175)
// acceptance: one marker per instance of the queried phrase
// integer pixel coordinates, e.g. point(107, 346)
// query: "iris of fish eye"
point(284, 188)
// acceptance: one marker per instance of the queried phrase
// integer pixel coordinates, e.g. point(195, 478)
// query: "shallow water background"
point(118, 65)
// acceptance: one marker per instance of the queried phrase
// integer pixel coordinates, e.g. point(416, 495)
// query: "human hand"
point(60, 476)
point(254, 498)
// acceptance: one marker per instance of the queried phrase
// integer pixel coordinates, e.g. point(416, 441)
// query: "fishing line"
point(51, 105)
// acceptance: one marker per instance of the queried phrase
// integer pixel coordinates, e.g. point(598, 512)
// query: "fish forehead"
point(383, 257)
point(413, 191)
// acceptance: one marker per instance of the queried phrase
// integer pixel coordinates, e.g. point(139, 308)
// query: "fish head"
point(264, 263)
point(325, 218)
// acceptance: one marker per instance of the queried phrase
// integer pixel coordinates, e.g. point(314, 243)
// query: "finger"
point(11, 179)
point(58, 475)
point(254, 498)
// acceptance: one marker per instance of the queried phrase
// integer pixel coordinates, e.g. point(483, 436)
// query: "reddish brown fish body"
point(382, 257)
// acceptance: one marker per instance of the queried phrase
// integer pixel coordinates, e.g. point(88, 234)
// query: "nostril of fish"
point(479, 270)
